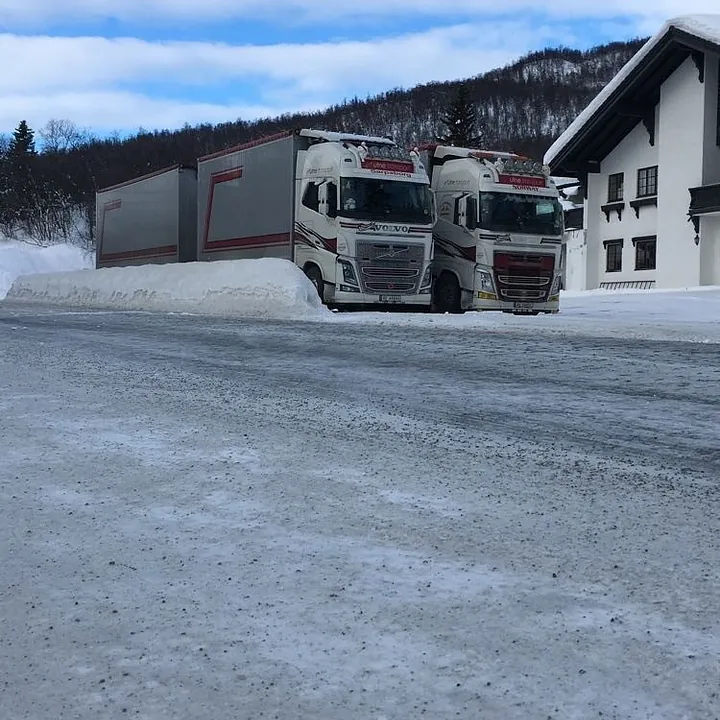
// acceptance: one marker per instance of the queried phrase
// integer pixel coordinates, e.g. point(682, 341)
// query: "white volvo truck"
point(499, 232)
point(356, 213)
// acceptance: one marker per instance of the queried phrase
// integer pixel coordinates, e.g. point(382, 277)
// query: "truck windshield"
point(509, 212)
point(389, 200)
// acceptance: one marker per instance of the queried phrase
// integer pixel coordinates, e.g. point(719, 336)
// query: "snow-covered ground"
point(224, 518)
point(273, 288)
point(17, 259)
point(689, 315)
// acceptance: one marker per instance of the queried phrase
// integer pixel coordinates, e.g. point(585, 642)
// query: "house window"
point(615, 187)
point(647, 181)
point(613, 255)
point(645, 252)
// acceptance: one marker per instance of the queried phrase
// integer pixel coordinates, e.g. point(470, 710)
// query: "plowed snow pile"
point(18, 259)
point(267, 288)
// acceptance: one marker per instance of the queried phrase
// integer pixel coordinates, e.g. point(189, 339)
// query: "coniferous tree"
point(17, 178)
point(461, 121)
point(22, 144)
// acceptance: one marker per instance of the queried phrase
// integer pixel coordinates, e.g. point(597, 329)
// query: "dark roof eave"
point(569, 160)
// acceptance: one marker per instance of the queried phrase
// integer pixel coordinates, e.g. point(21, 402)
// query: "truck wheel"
point(447, 294)
point(316, 278)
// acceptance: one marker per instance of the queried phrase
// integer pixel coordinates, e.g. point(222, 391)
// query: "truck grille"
point(524, 277)
point(390, 267)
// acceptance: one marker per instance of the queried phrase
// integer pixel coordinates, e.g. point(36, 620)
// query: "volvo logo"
point(375, 227)
point(392, 253)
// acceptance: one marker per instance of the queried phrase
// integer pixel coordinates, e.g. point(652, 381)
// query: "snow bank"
point(18, 259)
point(267, 287)
point(689, 315)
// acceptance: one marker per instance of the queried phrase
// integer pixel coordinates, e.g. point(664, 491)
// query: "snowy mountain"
point(521, 107)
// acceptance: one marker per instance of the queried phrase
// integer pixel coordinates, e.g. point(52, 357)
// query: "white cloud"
point(83, 78)
point(52, 62)
point(122, 111)
point(124, 83)
point(14, 13)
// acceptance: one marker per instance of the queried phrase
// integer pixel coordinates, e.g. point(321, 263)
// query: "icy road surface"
point(220, 520)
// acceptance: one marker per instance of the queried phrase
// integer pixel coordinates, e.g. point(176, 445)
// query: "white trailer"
point(354, 212)
point(149, 219)
point(499, 232)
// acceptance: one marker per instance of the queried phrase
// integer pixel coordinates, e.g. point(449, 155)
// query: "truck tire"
point(316, 278)
point(446, 294)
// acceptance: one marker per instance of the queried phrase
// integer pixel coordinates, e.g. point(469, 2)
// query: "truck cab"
point(499, 232)
point(364, 217)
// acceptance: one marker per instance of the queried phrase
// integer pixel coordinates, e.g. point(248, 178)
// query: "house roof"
point(633, 93)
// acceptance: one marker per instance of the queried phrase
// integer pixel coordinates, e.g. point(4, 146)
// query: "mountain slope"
point(523, 107)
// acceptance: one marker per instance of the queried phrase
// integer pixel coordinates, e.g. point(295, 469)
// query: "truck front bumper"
point(488, 301)
point(343, 297)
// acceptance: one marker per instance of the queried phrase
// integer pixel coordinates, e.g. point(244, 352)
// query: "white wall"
point(575, 275)
point(710, 225)
point(710, 250)
point(711, 151)
point(681, 138)
point(592, 217)
point(631, 154)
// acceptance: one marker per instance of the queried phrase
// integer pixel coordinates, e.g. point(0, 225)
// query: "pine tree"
point(461, 121)
point(22, 144)
point(21, 189)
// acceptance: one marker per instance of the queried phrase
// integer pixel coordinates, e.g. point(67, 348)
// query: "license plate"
point(523, 306)
point(391, 299)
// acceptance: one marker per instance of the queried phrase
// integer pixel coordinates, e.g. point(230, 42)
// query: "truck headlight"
point(555, 289)
point(348, 271)
point(485, 281)
point(426, 279)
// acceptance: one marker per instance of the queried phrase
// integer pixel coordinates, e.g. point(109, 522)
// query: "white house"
point(646, 152)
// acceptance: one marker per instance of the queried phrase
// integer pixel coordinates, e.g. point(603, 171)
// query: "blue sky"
point(117, 65)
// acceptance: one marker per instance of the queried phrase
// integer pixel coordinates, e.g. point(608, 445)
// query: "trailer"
point(355, 212)
point(149, 219)
point(499, 232)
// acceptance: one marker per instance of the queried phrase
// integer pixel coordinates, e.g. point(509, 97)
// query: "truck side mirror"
point(328, 199)
point(466, 211)
point(332, 200)
point(460, 208)
point(471, 213)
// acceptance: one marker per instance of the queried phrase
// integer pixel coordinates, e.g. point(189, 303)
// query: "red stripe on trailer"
point(226, 175)
point(107, 207)
point(255, 241)
point(215, 179)
point(163, 251)
point(247, 145)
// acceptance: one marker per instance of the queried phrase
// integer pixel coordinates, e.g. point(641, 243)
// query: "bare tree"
point(63, 135)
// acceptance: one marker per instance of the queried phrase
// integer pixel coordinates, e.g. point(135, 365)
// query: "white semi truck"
point(499, 232)
point(356, 213)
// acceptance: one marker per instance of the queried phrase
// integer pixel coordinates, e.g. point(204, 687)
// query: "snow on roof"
point(331, 136)
point(705, 27)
